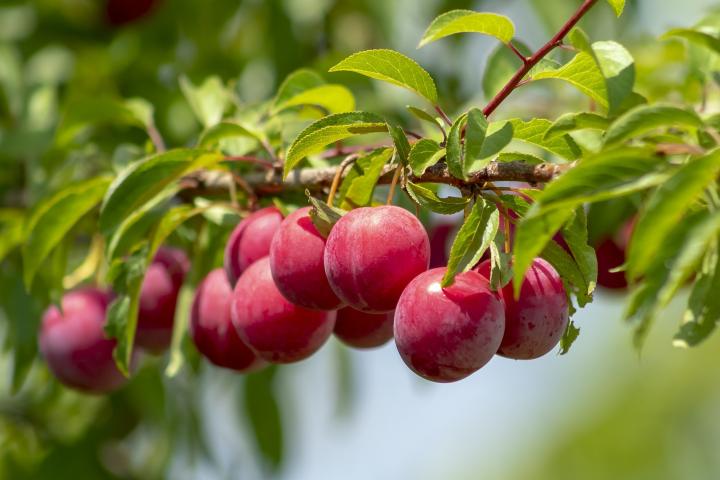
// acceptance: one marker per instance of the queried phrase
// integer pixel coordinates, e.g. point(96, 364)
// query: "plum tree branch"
point(530, 62)
point(270, 183)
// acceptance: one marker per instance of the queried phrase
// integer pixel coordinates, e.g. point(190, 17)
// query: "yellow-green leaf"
point(393, 67)
point(467, 21)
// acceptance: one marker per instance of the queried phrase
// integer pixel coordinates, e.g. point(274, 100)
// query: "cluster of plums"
point(285, 289)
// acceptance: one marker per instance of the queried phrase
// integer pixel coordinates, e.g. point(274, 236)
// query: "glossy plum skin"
point(158, 298)
point(363, 330)
point(250, 241)
point(279, 331)
point(371, 255)
point(446, 334)
point(611, 253)
point(296, 262)
point(536, 321)
point(439, 246)
point(212, 330)
point(74, 344)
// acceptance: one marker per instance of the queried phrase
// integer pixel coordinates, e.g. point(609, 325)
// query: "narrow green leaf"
point(426, 198)
point(296, 83)
point(608, 174)
point(473, 239)
point(500, 263)
point(572, 332)
point(180, 329)
point(323, 215)
point(575, 234)
point(424, 116)
point(476, 130)
point(424, 154)
point(703, 310)
point(467, 21)
point(532, 235)
point(263, 413)
point(359, 185)
point(666, 208)
point(645, 118)
point(53, 218)
point(402, 146)
point(698, 37)
point(330, 130)
point(393, 67)
point(533, 132)
point(454, 153)
point(576, 121)
point(573, 278)
point(142, 181)
point(499, 136)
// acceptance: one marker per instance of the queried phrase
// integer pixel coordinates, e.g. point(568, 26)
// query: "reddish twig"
point(530, 62)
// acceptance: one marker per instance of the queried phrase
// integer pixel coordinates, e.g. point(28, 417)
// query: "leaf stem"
point(338, 175)
point(537, 56)
point(393, 183)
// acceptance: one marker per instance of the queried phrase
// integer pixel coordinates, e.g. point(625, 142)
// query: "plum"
point(439, 249)
point(372, 253)
point(535, 322)
point(74, 344)
point(363, 330)
point(122, 12)
point(446, 334)
point(211, 326)
point(158, 298)
point(250, 241)
point(296, 263)
point(278, 330)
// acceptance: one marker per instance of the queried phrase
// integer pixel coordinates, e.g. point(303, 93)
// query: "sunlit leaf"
point(646, 118)
point(424, 154)
point(426, 198)
point(393, 67)
point(467, 21)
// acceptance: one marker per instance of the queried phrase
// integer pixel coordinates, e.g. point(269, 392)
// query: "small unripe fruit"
point(371, 255)
point(250, 241)
point(158, 298)
point(363, 330)
point(446, 334)
point(279, 331)
point(74, 344)
point(212, 330)
point(535, 322)
point(296, 262)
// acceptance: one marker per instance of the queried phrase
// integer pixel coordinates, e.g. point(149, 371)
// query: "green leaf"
point(666, 208)
point(473, 239)
point(323, 216)
point(533, 132)
point(476, 130)
point(575, 234)
point(424, 154)
point(402, 146)
point(393, 67)
point(329, 98)
point(605, 72)
point(703, 310)
point(226, 129)
point(180, 329)
point(499, 136)
point(532, 235)
point(330, 130)
point(500, 263)
point(698, 37)
point(571, 122)
point(12, 230)
point(571, 334)
point(295, 84)
point(606, 175)
point(426, 198)
point(359, 184)
point(424, 116)
point(467, 21)
point(520, 157)
point(263, 413)
point(53, 218)
point(208, 101)
point(645, 118)
point(454, 153)
point(142, 181)
point(569, 271)
point(618, 6)
point(87, 112)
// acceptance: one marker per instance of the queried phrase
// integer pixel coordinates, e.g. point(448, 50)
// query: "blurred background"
point(602, 411)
